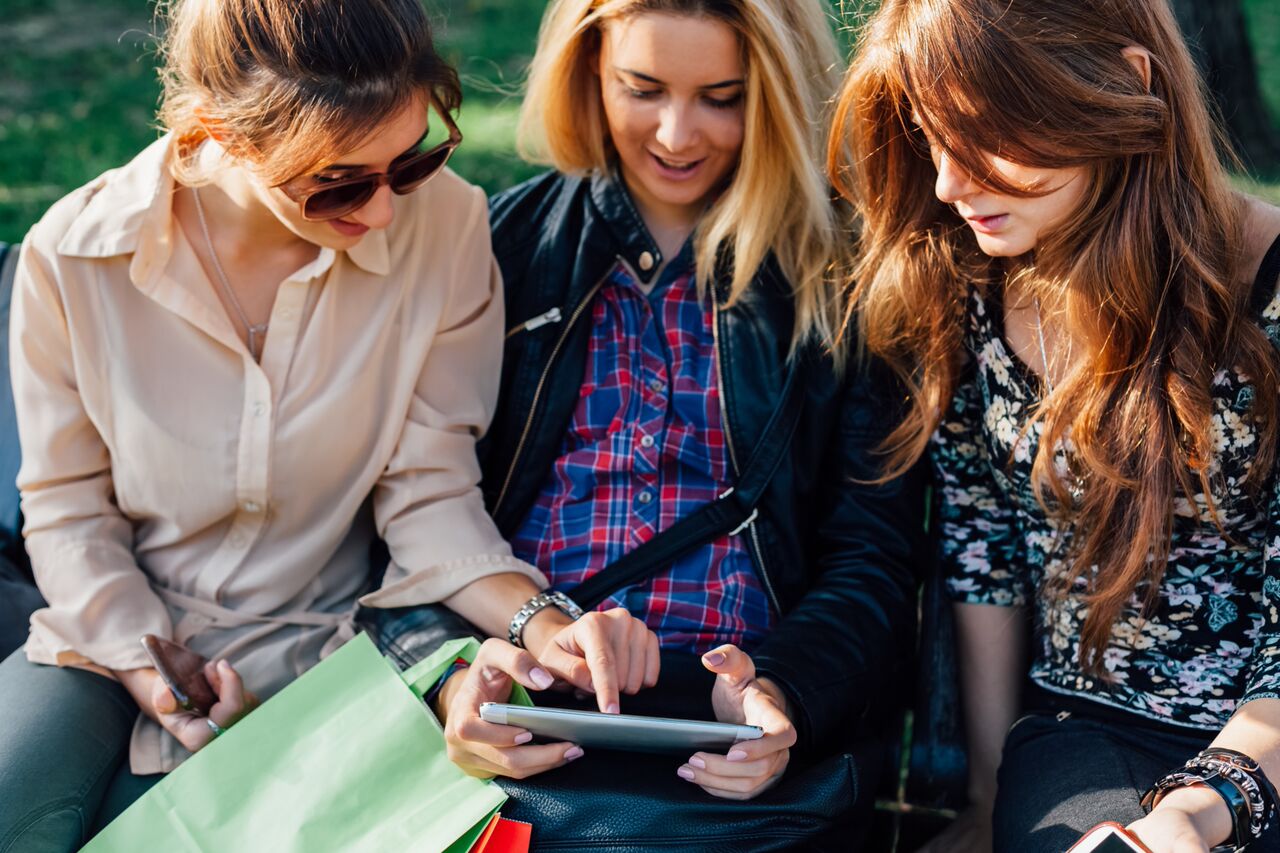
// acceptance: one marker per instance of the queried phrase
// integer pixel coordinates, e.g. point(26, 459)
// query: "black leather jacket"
point(837, 559)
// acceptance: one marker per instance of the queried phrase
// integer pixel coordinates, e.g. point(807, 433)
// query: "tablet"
point(619, 731)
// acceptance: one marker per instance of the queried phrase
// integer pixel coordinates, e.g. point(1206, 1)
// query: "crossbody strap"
point(729, 513)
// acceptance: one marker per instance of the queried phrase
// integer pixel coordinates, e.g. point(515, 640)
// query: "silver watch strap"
point(550, 598)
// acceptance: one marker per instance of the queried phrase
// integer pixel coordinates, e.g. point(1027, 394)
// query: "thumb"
point(730, 662)
point(162, 698)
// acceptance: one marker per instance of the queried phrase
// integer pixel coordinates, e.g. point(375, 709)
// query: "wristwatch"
point(550, 598)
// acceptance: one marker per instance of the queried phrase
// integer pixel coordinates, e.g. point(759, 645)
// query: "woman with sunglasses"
point(240, 360)
point(1054, 258)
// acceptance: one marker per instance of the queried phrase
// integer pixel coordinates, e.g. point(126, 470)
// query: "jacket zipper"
point(733, 456)
point(552, 316)
point(542, 380)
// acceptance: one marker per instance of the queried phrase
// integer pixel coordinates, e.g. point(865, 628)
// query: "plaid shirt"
point(645, 447)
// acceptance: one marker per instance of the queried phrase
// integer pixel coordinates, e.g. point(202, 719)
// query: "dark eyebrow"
point(342, 167)
point(723, 84)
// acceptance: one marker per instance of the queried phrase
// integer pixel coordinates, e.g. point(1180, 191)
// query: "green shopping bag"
point(346, 758)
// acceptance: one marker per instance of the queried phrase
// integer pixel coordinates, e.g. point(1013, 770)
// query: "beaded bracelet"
point(1249, 789)
point(1231, 794)
point(1234, 776)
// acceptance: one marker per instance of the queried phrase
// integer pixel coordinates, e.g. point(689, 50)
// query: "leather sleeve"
point(837, 652)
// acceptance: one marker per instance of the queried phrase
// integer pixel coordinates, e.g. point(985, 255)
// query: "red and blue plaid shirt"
point(646, 447)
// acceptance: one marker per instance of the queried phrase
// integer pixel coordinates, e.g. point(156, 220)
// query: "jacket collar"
point(636, 246)
point(131, 213)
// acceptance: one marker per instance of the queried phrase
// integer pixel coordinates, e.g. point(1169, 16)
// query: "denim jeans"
point(64, 749)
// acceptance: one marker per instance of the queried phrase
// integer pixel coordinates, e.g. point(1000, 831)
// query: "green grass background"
point(78, 90)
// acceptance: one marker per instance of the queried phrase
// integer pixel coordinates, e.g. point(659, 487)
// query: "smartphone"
point(183, 673)
point(1109, 838)
point(619, 731)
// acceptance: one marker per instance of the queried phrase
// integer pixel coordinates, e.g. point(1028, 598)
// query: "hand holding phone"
point(1109, 838)
point(183, 672)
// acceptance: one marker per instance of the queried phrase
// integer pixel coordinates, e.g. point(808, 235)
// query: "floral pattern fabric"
point(1212, 639)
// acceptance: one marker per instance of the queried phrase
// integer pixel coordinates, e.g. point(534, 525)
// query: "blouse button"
point(646, 441)
point(646, 261)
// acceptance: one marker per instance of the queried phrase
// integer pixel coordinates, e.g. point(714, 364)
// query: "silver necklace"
point(257, 334)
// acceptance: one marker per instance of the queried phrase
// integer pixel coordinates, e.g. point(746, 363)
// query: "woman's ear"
point(1140, 59)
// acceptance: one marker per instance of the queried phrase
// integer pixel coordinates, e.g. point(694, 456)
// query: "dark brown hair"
point(1145, 277)
point(295, 83)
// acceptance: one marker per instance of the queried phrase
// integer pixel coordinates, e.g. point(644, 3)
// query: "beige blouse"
point(172, 485)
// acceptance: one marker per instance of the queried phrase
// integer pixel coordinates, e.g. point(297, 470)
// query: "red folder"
point(504, 836)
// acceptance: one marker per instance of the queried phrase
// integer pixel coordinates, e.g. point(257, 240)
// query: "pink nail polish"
point(541, 678)
point(736, 755)
point(613, 708)
point(714, 658)
point(572, 753)
point(685, 772)
point(523, 737)
point(698, 763)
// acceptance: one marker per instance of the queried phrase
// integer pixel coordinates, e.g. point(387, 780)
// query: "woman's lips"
point(988, 224)
point(348, 229)
point(676, 171)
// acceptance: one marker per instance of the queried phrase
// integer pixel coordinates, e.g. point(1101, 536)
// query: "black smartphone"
point(1109, 838)
point(183, 673)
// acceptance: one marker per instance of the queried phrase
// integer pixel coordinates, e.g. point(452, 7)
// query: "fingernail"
point(573, 752)
point(223, 665)
point(524, 737)
point(541, 677)
point(714, 658)
point(736, 755)
point(613, 708)
point(685, 772)
point(698, 763)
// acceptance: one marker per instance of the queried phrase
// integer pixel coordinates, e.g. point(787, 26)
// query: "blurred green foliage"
point(78, 90)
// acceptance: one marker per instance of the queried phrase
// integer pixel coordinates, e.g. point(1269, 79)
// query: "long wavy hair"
point(1145, 278)
point(778, 201)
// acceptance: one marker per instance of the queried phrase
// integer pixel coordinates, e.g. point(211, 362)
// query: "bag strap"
point(729, 513)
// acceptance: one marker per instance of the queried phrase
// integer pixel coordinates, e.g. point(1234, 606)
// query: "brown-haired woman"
point(238, 361)
point(1053, 259)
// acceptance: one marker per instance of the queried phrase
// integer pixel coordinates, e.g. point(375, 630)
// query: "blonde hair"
point(779, 201)
point(292, 84)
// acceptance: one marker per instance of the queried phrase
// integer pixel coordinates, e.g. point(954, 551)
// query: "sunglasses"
point(322, 199)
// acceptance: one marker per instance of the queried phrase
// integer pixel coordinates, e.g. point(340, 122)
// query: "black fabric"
point(838, 558)
point(728, 513)
point(19, 598)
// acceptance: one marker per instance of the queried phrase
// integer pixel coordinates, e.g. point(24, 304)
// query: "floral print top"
point(1212, 640)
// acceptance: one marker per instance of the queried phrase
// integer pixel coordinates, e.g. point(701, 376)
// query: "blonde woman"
point(270, 339)
point(669, 282)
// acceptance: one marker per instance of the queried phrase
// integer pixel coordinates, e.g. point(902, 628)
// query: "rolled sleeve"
point(978, 529)
point(80, 544)
point(428, 502)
